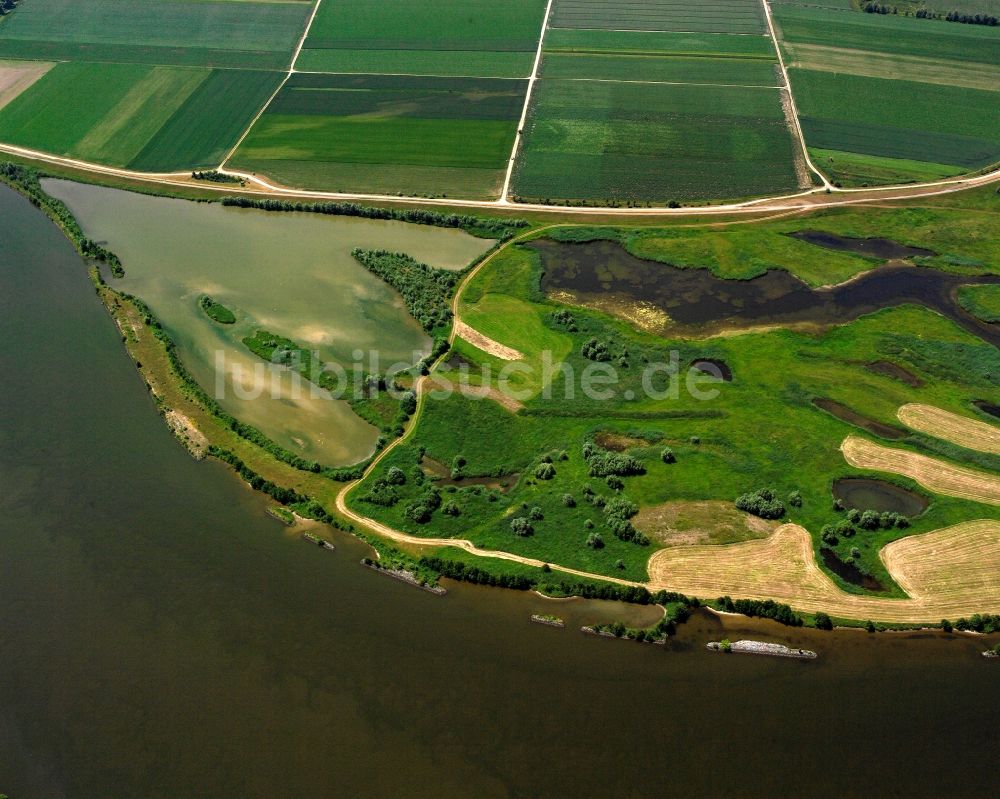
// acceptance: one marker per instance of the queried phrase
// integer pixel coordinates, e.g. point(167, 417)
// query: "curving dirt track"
point(935, 475)
point(961, 430)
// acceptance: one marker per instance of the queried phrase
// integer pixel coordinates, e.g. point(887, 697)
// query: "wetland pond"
point(163, 636)
point(290, 274)
point(696, 302)
point(866, 493)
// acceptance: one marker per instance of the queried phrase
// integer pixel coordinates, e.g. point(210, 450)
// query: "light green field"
point(209, 123)
point(150, 118)
point(256, 35)
point(855, 169)
point(430, 37)
point(69, 101)
point(387, 134)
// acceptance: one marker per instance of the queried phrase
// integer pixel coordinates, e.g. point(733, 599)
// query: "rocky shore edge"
point(762, 648)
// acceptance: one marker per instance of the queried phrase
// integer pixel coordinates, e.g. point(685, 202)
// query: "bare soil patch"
point(17, 76)
point(485, 343)
point(692, 523)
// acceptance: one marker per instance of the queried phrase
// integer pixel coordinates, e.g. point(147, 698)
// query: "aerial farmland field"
point(425, 37)
point(224, 33)
point(663, 104)
point(387, 134)
point(885, 98)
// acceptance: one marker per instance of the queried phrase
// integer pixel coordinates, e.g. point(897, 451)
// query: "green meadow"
point(492, 466)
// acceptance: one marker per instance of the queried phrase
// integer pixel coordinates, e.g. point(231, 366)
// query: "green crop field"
point(255, 35)
point(749, 72)
point(888, 98)
point(210, 122)
point(388, 133)
point(425, 37)
point(153, 118)
point(657, 42)
point(626, 142)
point(889, 34)
point(720, 16)
point(898, 119)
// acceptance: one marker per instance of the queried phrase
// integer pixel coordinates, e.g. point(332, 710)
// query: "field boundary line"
point(673, 83)
point(408, 75)
point(658, 30)
point(524, 111)
point(791, 97)
point(288, 74)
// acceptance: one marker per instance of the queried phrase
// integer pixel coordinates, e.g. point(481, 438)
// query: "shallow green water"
point(160, 636)
point(291, 274)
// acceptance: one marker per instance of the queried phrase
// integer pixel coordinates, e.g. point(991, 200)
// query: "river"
point(161, 636)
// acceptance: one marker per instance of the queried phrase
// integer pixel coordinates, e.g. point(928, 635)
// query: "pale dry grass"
point(947, 573)
point(961, 430)
point(485, 343)
point(933, 474)
point(707, 522)
point(17, 76)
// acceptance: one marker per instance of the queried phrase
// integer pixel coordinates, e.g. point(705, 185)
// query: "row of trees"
point(767, 609)
point(487, 226)
point(926, 13)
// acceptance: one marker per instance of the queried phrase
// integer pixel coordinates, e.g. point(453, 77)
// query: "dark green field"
point(388, 134)
point(898, 119)
point(670, 69)
point(425, 37)
point(622, 142)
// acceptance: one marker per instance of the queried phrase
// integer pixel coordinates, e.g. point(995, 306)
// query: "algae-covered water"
point(288, 273)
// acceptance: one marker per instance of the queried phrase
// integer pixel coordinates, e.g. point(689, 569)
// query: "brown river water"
point(161, 636)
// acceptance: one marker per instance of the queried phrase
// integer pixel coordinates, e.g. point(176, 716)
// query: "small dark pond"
point(895, 371)
point(714, 367)
point(988, 407)
point(879, 248)
point(866, 493)
point(850, 572)
point(441, 475)
point(699, 302)
point(851, 416)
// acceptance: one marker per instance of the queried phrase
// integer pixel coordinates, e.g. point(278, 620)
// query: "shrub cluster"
point(422, 509)
point(426, 290)
point(604, 463)
point(617, 514)
point(763, 503)
point(766, 609)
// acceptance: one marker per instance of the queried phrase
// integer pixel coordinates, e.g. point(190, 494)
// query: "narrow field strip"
point(947, 573)
point(933, 474)
point(485, 343)
point(961, 430)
